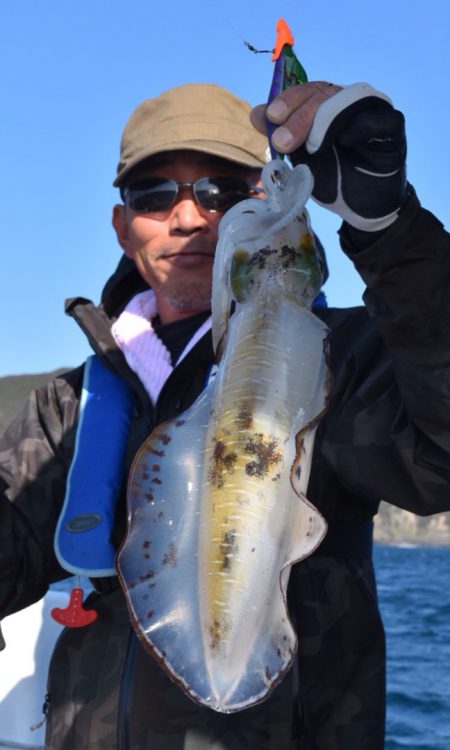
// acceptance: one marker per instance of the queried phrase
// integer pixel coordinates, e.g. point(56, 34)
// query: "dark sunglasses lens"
point(212, 193)
point(220, 193)
point(154, 195)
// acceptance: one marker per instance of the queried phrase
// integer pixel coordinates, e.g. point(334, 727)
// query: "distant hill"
point(392, 525)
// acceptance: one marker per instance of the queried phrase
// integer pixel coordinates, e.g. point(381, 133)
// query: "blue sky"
point(71, 73)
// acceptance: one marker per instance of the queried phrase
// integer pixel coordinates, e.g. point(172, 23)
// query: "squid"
point(217, 506)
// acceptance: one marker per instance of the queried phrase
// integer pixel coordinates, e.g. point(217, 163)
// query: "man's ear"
point(120, 224)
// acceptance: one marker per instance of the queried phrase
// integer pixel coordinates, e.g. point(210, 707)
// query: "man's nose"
point(187, 215)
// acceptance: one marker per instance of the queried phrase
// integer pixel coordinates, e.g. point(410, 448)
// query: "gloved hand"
point(356, 150)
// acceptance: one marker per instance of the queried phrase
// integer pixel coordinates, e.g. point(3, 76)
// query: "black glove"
point(356, 151)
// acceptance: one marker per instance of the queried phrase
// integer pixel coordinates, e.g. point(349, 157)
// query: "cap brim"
point(213, 148)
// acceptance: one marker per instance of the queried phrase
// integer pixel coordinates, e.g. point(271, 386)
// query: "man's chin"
point(189, 301)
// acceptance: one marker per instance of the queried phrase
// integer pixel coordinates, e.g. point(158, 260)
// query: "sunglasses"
point(212, 193)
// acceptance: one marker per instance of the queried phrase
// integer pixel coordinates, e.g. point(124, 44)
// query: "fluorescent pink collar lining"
point(143, 349)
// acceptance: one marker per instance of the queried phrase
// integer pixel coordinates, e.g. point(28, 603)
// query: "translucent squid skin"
point(217, 505)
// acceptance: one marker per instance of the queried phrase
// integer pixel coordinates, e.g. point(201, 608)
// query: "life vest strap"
point(83, 535)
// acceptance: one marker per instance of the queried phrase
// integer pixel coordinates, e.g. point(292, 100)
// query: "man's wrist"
point(353, 239)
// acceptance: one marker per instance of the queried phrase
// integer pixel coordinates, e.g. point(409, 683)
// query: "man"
point(186, 156)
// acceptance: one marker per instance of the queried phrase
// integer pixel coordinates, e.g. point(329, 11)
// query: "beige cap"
point(197, 116)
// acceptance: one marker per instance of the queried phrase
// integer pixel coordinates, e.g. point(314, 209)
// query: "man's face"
point(174, 249)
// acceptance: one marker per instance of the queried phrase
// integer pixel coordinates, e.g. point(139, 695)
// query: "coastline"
point(396, 526)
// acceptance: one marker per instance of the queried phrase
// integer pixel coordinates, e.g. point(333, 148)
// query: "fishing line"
point(235, 31)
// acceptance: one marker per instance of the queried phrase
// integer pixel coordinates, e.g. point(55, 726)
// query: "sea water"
point(414, 596)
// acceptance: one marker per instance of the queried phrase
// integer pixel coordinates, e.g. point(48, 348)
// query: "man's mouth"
point(188, 257)
point(190, 250)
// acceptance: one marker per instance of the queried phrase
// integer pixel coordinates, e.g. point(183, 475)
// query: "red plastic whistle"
point(74, 615)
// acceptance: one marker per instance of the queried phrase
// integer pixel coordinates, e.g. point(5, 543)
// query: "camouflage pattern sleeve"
point(35, 453)
point(402, 434)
